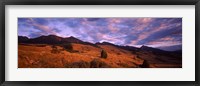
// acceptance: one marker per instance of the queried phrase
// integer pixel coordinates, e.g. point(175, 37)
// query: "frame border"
point(3, 3)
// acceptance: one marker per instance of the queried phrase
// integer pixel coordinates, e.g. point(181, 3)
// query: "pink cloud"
point(114, 20)
point(43, 28)
point(166, 41)
point(142, 23)
point(163, 44)
point(112, 28)
point(144, 20)
point(146, 34)
point(140, 37)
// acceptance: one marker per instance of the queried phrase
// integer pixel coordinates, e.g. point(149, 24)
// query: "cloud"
point(73, 23)
point(35, 34)
point(161, 29)
point(43, 28)
point(157, 33)
point(144, 20)
point(123, 31)
point(92, 19)
point(41, 21)
point(113, 28)
point(163, 44)
point(56, 30)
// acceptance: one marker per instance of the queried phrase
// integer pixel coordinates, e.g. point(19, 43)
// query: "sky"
point(163, 33)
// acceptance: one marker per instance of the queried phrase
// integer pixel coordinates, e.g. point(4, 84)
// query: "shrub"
point(134, 52)
point(145, 64)
point(124, 65)
point(42, 45)
point(53, 46)
point(74, 51)
point(67, 46)
point(97, 63)
point(137, 56)
point(103, 54)
point(55, 50)
point(79, 64)
point(118, 53)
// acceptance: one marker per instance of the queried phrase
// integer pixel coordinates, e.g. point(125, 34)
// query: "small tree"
point(103, 54)
point(145, 64)
point(68, 46)
point(55, 49)
point(98, 63)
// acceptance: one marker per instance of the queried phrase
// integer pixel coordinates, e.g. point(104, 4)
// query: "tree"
point(145, 64)
point(68, 46)
point(103, 54)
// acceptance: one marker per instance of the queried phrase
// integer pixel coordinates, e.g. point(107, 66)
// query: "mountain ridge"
point(53, 39)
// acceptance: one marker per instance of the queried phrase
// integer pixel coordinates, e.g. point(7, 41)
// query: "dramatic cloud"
point(154, 32)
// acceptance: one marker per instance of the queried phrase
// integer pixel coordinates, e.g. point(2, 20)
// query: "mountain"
point(50, 39)
point(159, 51)
point(53, 39)
point(154, 50)
point(22, 39)
point(104, 43)
point(71, 39)
point(171, 48)
point(146, 48)
point(130, 48)
point(178, 51)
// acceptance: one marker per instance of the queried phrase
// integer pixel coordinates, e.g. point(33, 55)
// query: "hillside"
point(57, 52)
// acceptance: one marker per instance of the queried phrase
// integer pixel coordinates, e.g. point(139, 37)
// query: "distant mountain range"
point(50, 39)
point(53, 39)
point(171, 48)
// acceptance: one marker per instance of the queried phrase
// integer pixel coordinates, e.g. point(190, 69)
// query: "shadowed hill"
point(50, 39)
point(22, 39)
point(53, 39)
point(71, 39)
point(130, 48)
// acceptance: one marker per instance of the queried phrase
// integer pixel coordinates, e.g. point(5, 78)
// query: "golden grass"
point(41, 56)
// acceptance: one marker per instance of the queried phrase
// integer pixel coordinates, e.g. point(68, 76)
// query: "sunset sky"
point(163, 33)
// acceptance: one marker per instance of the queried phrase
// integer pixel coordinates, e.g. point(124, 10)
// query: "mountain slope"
point(71, 39)
point(50, 39)
point(51, 51)
point(22, 39)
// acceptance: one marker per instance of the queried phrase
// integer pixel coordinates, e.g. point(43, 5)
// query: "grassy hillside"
point(76, 55)
point(82, 56)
